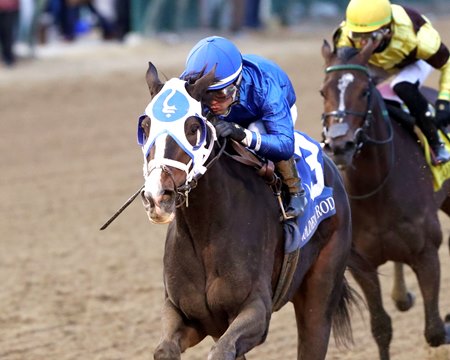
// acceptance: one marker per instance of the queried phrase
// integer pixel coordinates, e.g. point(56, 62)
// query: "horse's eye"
point(366, 93)
point(321, 93)
point(194, 129)
point(145, 125)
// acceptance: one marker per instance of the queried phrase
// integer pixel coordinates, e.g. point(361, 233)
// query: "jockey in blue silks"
point(254, 102)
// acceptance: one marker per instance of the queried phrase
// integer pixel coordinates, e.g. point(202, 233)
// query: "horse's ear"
point(198, 89)
point(326, 51)
point(152, 78)
point(367, 51)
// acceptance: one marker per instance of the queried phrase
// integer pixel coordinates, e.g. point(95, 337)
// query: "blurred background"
point(30, 28)
point(72, 87)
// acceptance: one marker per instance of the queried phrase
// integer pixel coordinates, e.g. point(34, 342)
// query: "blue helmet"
point(211, 51)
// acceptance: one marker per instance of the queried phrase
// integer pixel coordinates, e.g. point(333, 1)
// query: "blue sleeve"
point(278, 143)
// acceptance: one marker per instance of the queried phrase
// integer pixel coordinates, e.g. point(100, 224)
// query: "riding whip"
point(122, 208)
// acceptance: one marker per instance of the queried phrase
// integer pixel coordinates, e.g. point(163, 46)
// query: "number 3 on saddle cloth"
point(309, 159)
point(440, 173)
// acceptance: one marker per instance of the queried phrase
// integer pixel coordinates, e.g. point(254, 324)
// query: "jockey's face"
point(219, 101)
point(381, 35)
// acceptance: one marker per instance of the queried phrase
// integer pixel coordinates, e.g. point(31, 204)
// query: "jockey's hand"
point(442, 113)
point(230, 129)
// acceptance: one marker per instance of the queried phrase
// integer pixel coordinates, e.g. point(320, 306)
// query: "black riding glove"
point(442, 113)
point(229, 129)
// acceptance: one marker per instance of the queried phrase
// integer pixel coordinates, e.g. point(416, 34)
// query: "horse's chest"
point(214, 297)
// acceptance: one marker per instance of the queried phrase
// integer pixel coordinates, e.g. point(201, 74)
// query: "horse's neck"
point(375, 158)
point(228, 193)
point(214, 196)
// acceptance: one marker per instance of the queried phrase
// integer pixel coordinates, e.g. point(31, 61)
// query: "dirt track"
point(70, 159)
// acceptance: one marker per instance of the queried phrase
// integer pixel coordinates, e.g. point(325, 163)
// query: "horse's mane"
point(346, 53)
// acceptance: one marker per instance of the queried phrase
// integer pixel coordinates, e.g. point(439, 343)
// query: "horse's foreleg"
point(427, 270)
point(380, 321)
point(403, 299)
point(246, 331)
point(176, 335)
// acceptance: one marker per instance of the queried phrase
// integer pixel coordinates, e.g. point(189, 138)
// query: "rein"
point(265, 169)
point(184, 190)
point(361, 137)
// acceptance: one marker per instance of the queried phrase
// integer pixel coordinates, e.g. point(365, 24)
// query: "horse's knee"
point(167, 351)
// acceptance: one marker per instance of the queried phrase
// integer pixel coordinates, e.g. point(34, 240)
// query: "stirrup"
point(284, 216)
point(300, 209)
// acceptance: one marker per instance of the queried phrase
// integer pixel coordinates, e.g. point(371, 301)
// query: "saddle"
point(401, 115)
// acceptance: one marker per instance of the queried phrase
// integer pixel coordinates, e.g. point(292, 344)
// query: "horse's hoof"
point(447, 329)
point(167, 351)
point(407, 304)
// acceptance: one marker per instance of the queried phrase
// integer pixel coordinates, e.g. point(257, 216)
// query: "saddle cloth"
point(309, 159)
point(440, 173)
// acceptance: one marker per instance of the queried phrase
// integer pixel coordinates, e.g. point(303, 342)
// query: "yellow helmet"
point(367, 16)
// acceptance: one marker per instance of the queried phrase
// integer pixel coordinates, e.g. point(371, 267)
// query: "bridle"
point(361, 136)
point(165, 165)
point(184, 190)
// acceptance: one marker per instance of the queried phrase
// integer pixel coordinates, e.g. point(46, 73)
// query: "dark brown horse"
point(390, 186)
point(224, 247)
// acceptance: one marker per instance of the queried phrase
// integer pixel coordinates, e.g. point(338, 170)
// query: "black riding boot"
point(290, 177)
point(440, 154)
point(418, 107)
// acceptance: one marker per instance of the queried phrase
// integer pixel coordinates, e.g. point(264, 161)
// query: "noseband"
point(361, 136)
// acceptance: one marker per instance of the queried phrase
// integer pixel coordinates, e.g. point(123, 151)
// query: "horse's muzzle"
point(160, 208)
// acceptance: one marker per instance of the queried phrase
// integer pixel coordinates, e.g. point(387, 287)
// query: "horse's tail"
point(350, 299)
point(342, 327)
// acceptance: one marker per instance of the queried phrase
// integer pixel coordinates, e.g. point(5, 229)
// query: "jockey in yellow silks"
point(409, 48)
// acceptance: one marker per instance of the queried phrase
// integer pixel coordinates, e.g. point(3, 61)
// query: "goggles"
point(228, 92)
point(360, 39)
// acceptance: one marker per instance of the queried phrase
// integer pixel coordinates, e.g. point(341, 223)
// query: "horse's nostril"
point(167, 196)
point(146, 198)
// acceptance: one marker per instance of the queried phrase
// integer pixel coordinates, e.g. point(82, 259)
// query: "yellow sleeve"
point(428, 41)
point(428, 44)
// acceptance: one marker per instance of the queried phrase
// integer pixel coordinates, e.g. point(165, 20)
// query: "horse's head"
point(176, 141)
point(347, 92)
